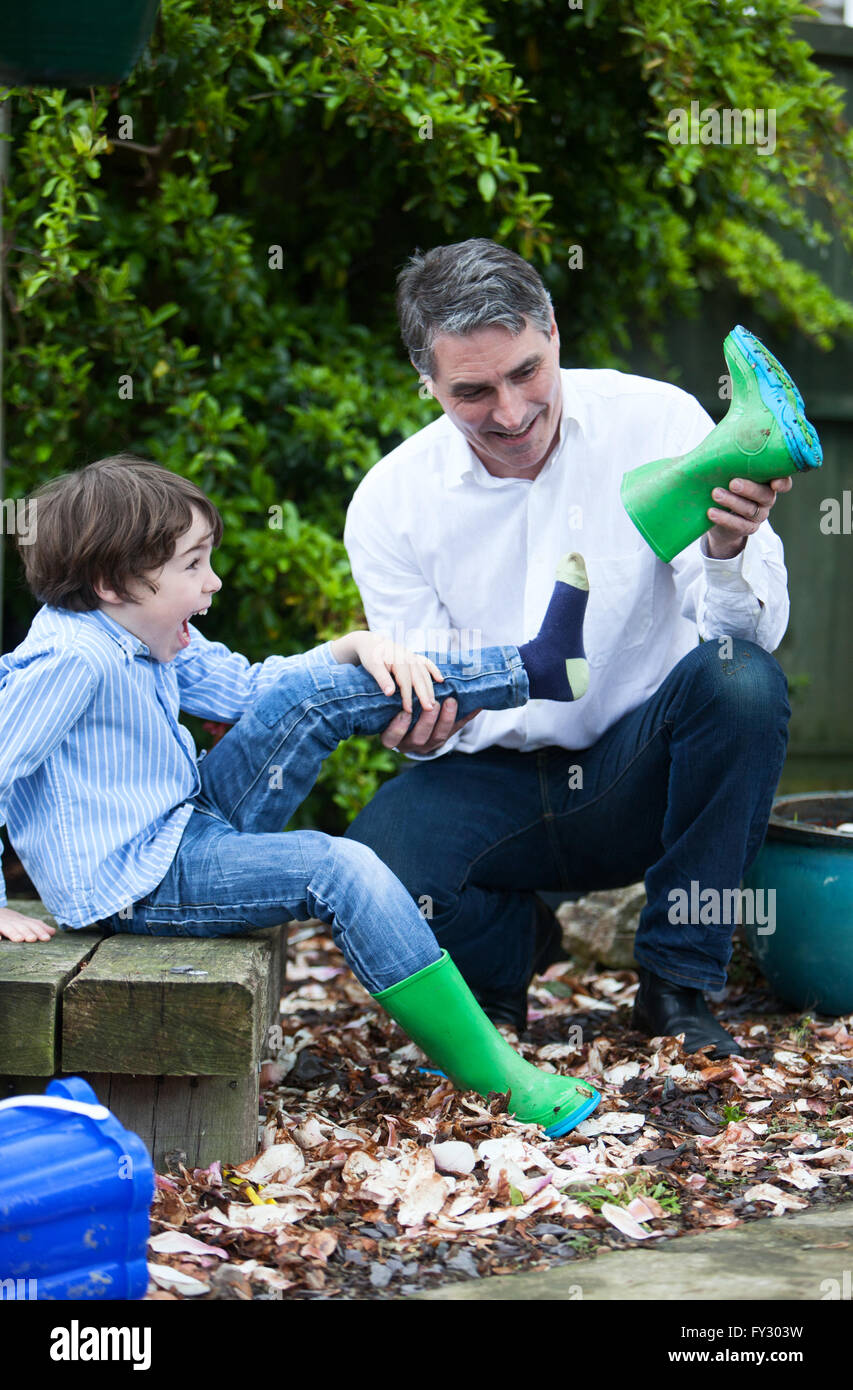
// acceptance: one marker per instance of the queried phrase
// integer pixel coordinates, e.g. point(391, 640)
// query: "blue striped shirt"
point(96, 773)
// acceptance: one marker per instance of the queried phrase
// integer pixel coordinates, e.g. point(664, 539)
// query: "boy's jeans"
point(234, 869)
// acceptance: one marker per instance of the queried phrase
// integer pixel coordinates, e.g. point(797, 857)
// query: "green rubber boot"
point(438, 1011)
point(764, 435)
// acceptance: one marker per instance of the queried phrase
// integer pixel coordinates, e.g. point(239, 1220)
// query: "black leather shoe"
point(510, 1006)
point(662, 1009)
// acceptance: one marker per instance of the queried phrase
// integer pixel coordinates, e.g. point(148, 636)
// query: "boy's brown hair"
point(108, 524)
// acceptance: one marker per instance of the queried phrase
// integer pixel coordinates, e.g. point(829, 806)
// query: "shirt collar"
point(461, 463)
point(129, 643)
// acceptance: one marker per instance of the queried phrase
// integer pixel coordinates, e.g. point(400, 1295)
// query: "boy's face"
point(185, 586)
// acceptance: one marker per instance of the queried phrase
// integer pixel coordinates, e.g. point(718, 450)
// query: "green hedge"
point(200, 264)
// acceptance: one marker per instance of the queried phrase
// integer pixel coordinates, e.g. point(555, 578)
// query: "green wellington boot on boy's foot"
point(438, 1011)
point(764, 435)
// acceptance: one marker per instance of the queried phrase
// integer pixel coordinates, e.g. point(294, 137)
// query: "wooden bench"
point(170, 1032)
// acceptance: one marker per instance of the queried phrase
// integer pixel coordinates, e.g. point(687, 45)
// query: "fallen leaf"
point(280, 1163)
point(310, 1134)
point(319, 1246)
point(781, 1201)
point(789, 1170)
point(623, 1071)
point(557, 1052)
point(176, 1280)
point(611, 1122)
point(176, 1242)
point(583, 1002)
point(719, 1071)
point(425, 1191)
point(510, 1149)
point(263, 1218)
point(624, 1221)
point(806, 1139)
point(454, 1156)
point(736, 1132)
point(645, 1209)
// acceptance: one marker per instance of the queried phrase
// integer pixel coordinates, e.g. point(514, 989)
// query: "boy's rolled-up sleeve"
point(216, 683)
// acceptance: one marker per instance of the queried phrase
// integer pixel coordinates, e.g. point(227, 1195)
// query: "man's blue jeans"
point(677, 791)
point(235, 870)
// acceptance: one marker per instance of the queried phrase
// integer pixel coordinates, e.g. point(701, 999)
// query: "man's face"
point(185, 585)
point(503, 391)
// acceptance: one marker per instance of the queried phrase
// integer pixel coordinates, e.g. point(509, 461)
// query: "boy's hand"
point(385, 659)
point(14, 926)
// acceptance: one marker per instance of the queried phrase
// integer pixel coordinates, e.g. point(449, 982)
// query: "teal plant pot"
point(808, 957)
point(55, 43)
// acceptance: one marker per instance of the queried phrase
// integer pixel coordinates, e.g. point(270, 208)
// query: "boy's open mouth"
point(184, 627)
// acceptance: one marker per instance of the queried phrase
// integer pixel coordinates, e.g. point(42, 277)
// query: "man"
point(666, 768)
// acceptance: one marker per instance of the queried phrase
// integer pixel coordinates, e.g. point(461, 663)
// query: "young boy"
point(119, 823)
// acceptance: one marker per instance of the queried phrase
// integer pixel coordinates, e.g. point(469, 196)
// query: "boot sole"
point(776, 389)
point(563, 1126)
point(577, 1117)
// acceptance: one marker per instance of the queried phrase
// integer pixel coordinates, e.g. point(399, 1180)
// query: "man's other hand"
point(14, 926)
point(432, 730)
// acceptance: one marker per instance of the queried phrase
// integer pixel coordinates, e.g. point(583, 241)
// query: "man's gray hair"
point(459, 288)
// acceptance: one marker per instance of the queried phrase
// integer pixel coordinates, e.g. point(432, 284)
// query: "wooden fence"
point(817, 651)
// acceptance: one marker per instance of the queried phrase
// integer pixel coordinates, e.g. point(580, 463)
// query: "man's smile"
point(517, 435)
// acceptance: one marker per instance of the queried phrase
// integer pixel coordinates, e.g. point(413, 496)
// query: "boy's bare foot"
point(14, 926)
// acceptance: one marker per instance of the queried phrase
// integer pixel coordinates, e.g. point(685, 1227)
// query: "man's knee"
point(394, 826)
point(742, 676)
point(388, 824)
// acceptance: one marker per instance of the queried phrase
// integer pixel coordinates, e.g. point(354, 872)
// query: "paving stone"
point(774, 1258)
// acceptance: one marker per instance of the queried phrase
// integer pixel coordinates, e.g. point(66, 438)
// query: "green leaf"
point(487, 184)
point(35, 283)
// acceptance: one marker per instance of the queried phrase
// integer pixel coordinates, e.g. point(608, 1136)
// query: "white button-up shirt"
point(446, 555)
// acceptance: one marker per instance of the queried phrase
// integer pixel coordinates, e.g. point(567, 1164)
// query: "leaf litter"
point(376, 1178)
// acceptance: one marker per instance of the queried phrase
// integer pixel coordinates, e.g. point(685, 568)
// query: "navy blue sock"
point(555, 660)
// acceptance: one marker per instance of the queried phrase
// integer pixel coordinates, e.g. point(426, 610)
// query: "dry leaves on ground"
point(375, 1178)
